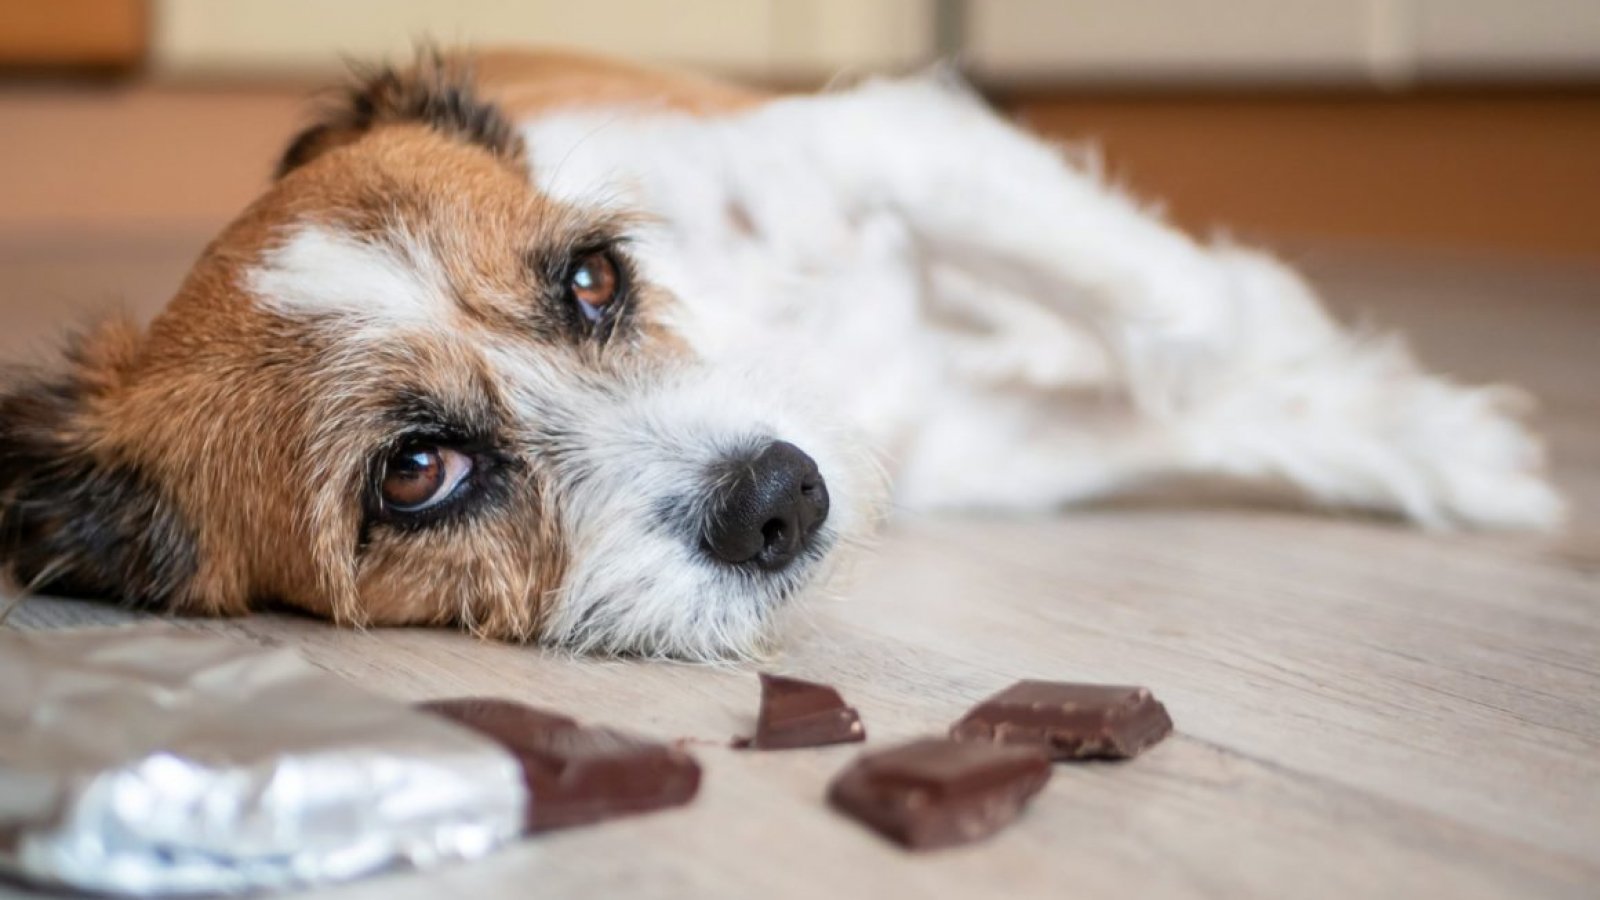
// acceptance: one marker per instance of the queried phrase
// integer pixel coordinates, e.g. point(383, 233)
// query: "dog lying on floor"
point(550, 347)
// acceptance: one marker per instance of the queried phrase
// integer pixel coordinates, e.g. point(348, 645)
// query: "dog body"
point(620, 359)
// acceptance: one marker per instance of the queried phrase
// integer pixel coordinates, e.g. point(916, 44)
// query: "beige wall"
point(1164, 41)
point(772, 38)
point(1383, 41)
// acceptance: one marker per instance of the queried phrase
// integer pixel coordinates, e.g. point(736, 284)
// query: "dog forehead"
point(401, 226)
point(401, 264)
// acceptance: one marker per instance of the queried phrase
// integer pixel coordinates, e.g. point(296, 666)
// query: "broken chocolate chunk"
point(575, 774)
point(937, 793)
point(797, 713)
point(1070, 721)
point(502, 720)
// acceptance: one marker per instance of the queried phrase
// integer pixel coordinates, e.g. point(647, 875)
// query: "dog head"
point(406, 387)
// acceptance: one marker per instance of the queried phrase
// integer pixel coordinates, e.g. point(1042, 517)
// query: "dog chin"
point(660, 604)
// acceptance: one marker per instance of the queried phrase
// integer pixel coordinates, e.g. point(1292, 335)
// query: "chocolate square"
point(936, 793)
point(1071, 721)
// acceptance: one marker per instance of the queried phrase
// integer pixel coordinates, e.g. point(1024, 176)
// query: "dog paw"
point(1483, 467)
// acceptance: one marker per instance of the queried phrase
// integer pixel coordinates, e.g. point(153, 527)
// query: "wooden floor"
point(1495, 170)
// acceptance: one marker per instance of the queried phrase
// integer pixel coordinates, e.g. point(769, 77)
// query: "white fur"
point(630, 458)
point(892, 273)
point(318, 270)
point(1010, 332)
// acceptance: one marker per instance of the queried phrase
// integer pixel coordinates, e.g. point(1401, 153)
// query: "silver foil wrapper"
point(156, 761)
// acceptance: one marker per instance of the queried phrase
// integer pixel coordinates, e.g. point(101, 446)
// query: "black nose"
point(769, 509)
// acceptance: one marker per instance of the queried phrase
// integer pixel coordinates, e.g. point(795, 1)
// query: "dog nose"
point(769, 512)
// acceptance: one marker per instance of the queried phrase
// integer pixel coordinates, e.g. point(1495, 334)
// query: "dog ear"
point(77, 517)
point(437, 91)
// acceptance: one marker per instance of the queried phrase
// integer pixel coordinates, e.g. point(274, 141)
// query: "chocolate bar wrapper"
point(150, 761)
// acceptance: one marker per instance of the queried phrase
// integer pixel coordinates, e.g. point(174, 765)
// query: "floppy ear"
point(76, 516)
point(436, 91)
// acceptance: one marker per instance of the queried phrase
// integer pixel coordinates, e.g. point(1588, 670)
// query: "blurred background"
point(1437, 161)
point(1466, 125)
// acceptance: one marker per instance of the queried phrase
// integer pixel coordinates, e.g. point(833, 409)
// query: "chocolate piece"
point(503, 720)
point(1071, 721)
point(937, 793)
point(797, 713)
point(575, 774)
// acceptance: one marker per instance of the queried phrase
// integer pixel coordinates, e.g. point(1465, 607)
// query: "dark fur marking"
point(73, 524)
point(435, 92)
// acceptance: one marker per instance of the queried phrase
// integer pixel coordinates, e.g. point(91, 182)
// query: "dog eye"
point(593, 284)
point(419, 476)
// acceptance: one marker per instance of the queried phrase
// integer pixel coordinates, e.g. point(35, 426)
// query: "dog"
point(555, 348)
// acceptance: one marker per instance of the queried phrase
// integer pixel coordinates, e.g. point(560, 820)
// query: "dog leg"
point(1229, 363)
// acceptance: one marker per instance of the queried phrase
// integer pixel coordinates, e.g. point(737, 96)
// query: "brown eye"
point(593, 284)
point(418, 476)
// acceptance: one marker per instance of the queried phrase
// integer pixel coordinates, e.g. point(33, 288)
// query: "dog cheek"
point(498, 576)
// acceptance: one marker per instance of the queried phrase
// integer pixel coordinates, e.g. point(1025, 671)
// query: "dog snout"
point(768, 509)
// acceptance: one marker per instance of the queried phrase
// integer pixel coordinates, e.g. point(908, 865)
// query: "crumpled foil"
point(157, 761)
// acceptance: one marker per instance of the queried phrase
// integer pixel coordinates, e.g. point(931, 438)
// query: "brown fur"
point(244, 427)
point(524, 83)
